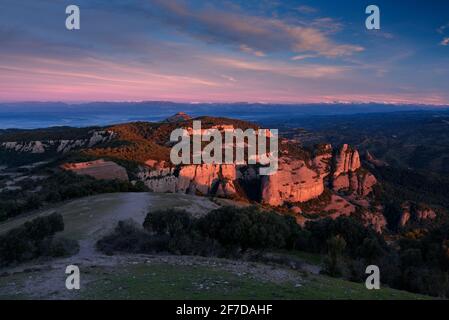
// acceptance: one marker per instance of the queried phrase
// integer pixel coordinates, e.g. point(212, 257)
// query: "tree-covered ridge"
point(54, 133)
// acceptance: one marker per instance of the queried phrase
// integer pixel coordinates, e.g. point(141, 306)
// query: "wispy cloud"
point(443, 28)
point(327, 25)
point(256, 34)
point(189, 50)
point(303, 57)
point(307, 9)
point(245, 48)
point(311, 71)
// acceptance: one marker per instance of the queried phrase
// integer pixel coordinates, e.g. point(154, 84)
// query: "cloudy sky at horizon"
point(225, 51)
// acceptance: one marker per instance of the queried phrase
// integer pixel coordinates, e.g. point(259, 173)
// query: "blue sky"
point(226, 51)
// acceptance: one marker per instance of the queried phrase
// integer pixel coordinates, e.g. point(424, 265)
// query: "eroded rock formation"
point(205, 179)
point(296, 180)
point(415, 213)
point(375, 220)
point(58, 146)
point(347, 160)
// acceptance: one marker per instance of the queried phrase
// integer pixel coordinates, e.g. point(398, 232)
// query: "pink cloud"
point(254, 34)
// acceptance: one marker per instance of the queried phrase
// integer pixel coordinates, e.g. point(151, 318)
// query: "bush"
point(222, 232)
point(61, 247)
point(418, 265)
point(58, 186)
point(333, 264)
point(129, 237)
point(249, 228)
point(362, 242)
point(168, 222)
point(34, 239)
point(43, 227)
point(3, 215)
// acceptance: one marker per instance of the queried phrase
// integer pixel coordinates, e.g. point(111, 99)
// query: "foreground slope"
point(161, 276)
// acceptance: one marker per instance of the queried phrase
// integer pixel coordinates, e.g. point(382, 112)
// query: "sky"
point(268, 51)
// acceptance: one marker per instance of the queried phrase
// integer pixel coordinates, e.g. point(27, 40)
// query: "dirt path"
point(88, 219)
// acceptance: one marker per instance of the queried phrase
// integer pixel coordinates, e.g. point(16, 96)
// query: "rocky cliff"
point(205, 179)
point(296, 180)
point(58, 146)
point(346, 160)
point(303, 177)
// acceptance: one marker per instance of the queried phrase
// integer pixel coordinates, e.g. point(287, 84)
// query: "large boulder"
point(294, 181)
point(347, 160)
point(204, 179)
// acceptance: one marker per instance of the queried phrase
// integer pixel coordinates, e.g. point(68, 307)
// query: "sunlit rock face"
point(405, 215)
point(348, 174)
point(424, 214)
point(204, 179)
point(323, 159)
point(293, 182)
point(360, 182)
point(415, 213)
point(346, 160)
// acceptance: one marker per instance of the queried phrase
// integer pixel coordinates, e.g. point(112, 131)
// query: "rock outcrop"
point(178, 117)
point(58, 146)
point(348, 174)
point(296, 180)
point(30, 147)
point(293, 182)
point(415, 213)
point(375, 220)
point(405, 215)
point(425, 214)
point(360, 182)
point(98, 169)
point(373, 161)
point(323, 159)
point(346, 160)
point(205, 179)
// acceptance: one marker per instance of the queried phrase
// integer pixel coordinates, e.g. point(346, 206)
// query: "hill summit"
point(178, 117)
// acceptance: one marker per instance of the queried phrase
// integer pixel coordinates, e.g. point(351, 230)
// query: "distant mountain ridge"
point(47, 114)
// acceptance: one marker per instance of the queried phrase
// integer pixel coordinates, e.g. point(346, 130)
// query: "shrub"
point(168, 222)
point(333, 264)
point(361, 241)
point(3, 215)
point(249, 228)
point(43, 227)
point(34, 239)
point(127, 237)
point(222, 232)
point(61, 247)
